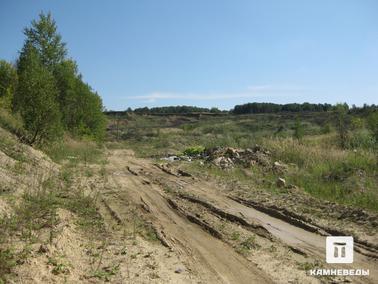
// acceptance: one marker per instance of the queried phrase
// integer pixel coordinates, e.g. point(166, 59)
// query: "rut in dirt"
point(207, 256)
point(199, 243)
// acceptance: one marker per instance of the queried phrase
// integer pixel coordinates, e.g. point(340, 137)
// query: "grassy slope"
point(32, 189)
point(36, 190)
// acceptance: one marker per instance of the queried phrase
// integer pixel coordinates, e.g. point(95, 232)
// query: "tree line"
point(175, 110)
point(45, 89)
point(250, 108)
point(272, 108)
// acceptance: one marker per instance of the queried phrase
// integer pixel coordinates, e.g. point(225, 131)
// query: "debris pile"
point(227, 157)
point(172, 158)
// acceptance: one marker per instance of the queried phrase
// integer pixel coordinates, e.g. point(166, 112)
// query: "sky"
point(212, 53)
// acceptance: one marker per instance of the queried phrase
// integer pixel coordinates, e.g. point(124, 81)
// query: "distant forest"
point(248, 108)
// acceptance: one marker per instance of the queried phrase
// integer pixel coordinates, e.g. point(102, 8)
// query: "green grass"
point(343, 176)
point(194, 151)
point(86, 152)
point(10, 147)
point(37, 210)
point(321, 167)
point(7, 262)
point(246, 245)
point(11, 122)
point(106, 274)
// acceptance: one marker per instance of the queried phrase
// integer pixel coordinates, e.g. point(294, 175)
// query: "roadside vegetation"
point(333, 153)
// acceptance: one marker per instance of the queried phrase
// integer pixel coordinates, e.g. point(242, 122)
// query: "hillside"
point(56, 226)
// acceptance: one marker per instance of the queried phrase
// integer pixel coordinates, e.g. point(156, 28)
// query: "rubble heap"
point(227, 157)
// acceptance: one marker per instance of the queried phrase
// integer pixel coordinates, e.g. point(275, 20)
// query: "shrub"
point(342, 124)
point(194, 151)
point(326, 128)
point(298, 129)
point(372, 123)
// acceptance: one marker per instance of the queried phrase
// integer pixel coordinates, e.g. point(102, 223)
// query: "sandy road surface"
point(212, 260)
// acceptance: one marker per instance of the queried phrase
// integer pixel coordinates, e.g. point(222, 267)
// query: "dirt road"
point(188, 213)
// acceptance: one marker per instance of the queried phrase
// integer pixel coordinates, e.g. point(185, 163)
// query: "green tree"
point(89, 119)
point(43, 36)
point(342, 124)
point(372, 123)
point(35, 98)
point(298, 129)
point(80, 108)
point(357, 123)
point(66, 75)
point(8, 83)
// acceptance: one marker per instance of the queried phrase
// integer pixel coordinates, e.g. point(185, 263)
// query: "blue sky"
point(212, 52)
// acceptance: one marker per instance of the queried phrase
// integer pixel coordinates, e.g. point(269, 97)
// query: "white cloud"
point(252, 92)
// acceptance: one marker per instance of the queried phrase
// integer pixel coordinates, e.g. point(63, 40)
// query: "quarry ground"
point(221, 236)
point(167, 222)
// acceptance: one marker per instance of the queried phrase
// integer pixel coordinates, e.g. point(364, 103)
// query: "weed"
point(11, 148)
point(194, 151)
point(7, 262)
point(248, 244)
point(86, 152)
point(235, 236)
point(106, 273)
point(58, 267)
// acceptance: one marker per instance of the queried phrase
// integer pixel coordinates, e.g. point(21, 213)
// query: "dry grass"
point(344, 176)
point(323, 169)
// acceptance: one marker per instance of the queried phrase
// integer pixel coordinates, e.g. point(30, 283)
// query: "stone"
point(43, 249)
point(170, 158)
point(223, 162)
point(281, 182)
point(279, 167)
point(179, 270)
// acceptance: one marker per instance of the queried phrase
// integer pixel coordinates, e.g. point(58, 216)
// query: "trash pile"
point(227, 157)
point(172, 158)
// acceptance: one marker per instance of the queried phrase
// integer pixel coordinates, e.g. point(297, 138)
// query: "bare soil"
point(221, 238)
point(164, 224)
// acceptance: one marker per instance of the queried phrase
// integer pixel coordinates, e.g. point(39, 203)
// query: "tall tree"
point(8, 82)
point(66, 75)
point(80, 108)
point(43, 36)
point(89, 118)
point(35, 98)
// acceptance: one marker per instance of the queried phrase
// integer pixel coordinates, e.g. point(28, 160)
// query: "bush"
point(372, 122)
point(342, 124)
point(194, 151)
point(326, 128)
point(361, 139)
